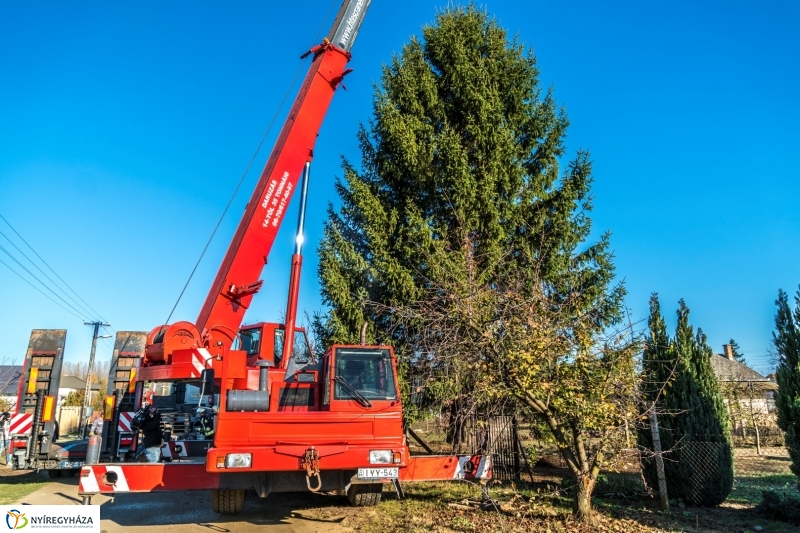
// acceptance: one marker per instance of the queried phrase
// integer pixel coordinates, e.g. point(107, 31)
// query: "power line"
point(236, 190)
point(51, 268)
point(40, 281)
point(108, 342)
point(38, 289)
point(44, 273)
point(249, 165)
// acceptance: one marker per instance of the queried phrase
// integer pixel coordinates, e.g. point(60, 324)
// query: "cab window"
point(250, 341)
point(300, 350)
point(369, 371)
point(278, 355)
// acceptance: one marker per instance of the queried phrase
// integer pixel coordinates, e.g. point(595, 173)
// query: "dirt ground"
point(191, 511)
point(428, 508)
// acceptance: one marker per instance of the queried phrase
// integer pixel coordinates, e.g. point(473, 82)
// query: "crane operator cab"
point(265, 341)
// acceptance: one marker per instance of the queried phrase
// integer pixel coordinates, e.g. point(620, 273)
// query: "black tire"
point(54, 473)
point(72, 472)
point(364, 494)
point(227, 501)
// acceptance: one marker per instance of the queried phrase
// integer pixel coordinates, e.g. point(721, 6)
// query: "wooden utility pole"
point(87, 391)
point(662, 481)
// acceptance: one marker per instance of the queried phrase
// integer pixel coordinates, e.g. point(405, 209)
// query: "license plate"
point(378, 473)
point(71, 464)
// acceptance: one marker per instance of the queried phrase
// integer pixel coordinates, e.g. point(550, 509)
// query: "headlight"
point(380, 457)
point(239, 460)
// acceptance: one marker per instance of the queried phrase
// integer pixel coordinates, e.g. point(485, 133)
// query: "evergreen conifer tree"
point(787, 401)
point(659, 363)
point(693, 421)
point(461, 159)
point(462, 209)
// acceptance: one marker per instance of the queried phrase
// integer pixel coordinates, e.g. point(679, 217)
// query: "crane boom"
point(238, 277)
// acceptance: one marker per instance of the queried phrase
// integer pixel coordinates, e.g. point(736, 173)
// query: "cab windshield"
point(368, 371)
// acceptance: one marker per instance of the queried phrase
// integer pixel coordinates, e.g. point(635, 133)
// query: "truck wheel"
point(364, 495)
point(54, 473)
point(227, 501)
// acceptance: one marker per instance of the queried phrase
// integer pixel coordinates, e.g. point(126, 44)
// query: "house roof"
point(731, 370)
point(10, 375)
point(9, 379)
point(75, 383)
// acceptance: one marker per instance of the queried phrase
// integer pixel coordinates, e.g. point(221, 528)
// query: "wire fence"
point(520, 453)
point(755, 470)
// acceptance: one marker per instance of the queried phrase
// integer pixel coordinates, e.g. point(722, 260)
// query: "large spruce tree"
point(462, 157)
point(461, 241)
point(693, 421)
point(787, 401)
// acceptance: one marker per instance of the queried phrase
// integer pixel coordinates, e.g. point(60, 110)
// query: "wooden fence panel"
point(68, 419)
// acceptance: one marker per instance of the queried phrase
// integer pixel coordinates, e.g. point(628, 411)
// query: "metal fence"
point(499, 436)
point(755, 469)
point(518, 452)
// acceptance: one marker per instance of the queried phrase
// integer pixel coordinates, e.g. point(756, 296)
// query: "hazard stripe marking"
point(199, 359)
point(20, 424)
point(125, 421)
point(481, 471)
point(168, 449)
point(122, 483)
point(88, 482)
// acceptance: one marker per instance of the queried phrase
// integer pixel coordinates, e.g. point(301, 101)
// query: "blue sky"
point(124, 128)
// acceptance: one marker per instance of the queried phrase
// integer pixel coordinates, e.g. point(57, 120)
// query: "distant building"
point(729, 370)
point(750, 397)
point(72, 384)
point(9, 385)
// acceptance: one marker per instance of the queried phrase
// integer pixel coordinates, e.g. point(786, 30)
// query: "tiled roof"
point(730, 370)
point(75, 383)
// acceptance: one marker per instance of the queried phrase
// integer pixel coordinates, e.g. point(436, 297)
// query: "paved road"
point(184, 512)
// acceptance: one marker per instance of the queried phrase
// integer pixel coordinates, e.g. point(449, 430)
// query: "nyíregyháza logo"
point(16, 519)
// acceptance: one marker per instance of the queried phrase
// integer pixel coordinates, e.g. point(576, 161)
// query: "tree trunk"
point(582, 503)
point(758, 439)
point(755, 426)
point(456, 427)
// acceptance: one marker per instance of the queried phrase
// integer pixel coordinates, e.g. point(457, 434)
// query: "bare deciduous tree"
point(481, 347)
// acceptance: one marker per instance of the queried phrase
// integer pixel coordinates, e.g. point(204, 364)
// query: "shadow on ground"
point(154, 509)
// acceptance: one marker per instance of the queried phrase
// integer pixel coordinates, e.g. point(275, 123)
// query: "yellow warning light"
point(49, 408)
point(32, 380)
point(132, 381)
point(108, 408)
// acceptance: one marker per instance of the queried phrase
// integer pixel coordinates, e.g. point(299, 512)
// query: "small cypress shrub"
point(693, 422)
point(787, 401)
point(779, 507)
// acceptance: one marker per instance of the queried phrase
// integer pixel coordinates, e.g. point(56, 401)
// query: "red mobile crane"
point(284, 420)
